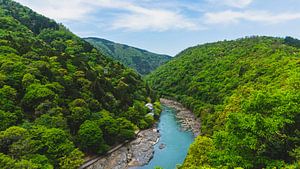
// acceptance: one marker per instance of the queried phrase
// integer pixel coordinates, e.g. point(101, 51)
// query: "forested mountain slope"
point(141, 60)
point(60, 96)
point(247, 93)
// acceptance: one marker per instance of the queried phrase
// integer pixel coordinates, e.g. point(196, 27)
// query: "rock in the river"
point(161, 146)
point(142, 148)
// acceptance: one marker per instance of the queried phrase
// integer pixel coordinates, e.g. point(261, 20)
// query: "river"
point(177, 142)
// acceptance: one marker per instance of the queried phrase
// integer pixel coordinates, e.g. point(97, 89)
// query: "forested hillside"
point(247, 93)
point(141, 60)
point(59, 96)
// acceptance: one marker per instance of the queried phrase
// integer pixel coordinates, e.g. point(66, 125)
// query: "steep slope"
point(141, 60)
point(247, 94)
point(58, 94)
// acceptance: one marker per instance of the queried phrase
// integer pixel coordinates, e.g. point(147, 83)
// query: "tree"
point(7, 119)
point(109, 126)
point(91, 138)
point(41, 160)
point(52, 121)
point(8, 98)
point(11, 135)
point(36, 94)
point(54, 143)
point(136, 112)
point(199, 152)
point(8, 163)
point(126, 129)
point(79, 112)
point(72, 160)
point(28, 79)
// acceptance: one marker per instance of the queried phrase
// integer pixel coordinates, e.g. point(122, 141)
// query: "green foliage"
point(90, 137)
point(72, 160)
point(8, 163)
point(109, 127)
point(54, 143)
point(149, 119)
point(246, 93)
point(115, 130)
point(157, 167)
point(30, 144)
point(28, 79)
point(35, 95)
point(126, 128)
point(199, 152)
point(52, 121)
point(292, 41)
point(157, 108)
point(10, 114)
point(142, 61)
point(79, 112)
point(41, 160)
point(7, 119)
point(11, 135)
point(51, 82)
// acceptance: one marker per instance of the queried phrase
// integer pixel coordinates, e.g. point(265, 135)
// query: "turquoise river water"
point(177, 142)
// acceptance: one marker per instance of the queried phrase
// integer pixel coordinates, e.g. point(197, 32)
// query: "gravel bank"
point(185, 117)
point(135, 153)
point(140, 151)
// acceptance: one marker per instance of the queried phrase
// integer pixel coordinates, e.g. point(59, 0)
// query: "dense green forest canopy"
point(59, 96)
point(141, 60)
point(247, 93)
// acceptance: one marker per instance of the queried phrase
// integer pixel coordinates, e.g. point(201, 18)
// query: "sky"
point(170, 26)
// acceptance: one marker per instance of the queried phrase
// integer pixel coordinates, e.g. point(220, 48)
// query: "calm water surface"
point(177, 142)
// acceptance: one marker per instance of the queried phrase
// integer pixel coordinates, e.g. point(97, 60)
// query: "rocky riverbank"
point(141, 150)
point(135, 153)
point(185, 117)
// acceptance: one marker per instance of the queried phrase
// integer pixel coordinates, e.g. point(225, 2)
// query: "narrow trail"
point(131, 153)
point(93, 160)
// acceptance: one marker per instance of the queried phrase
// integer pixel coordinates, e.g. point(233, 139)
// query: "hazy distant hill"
point(141, 60)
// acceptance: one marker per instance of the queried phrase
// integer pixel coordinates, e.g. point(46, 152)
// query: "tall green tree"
point(90, 137)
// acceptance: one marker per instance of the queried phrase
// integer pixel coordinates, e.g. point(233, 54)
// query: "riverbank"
point(141, 150)
point(186, 118)
point(173, 143)
point(135, 153)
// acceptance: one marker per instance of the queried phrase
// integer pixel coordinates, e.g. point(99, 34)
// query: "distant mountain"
point(141, 60)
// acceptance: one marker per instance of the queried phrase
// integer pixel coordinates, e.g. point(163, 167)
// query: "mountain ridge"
point(61, 98)
point(139, 59)
point(245, 92)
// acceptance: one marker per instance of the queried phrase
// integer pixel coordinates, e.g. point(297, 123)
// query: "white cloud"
point(153, 19)
point(232, 3)
point(141, 15)
point(59, 10)
point(130, 15)
point(229, 16)
point(138, 18)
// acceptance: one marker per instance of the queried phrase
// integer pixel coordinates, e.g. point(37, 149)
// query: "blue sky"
point(169, 26)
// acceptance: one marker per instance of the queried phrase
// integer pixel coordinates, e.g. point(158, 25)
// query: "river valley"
point(165, 145)
point(173, 143)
